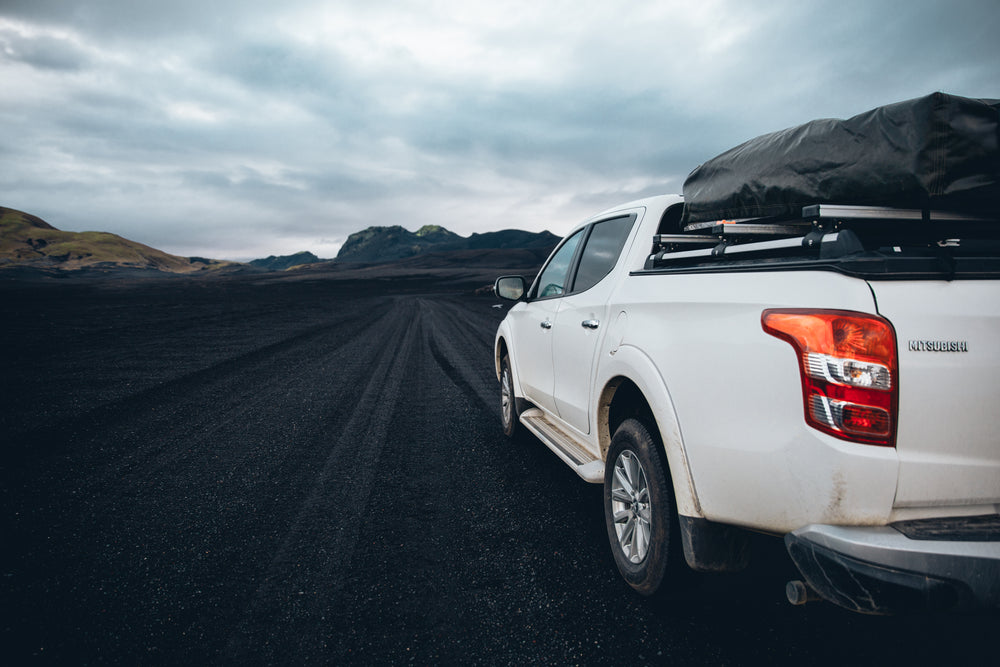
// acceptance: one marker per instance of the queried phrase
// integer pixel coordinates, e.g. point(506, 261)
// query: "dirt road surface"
point(253, 470)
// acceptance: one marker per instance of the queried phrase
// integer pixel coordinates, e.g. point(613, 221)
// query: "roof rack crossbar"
point(845, 212)
point(684, 239)
point(749, 229)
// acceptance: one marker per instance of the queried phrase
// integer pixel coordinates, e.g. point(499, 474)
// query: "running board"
point(562, 444)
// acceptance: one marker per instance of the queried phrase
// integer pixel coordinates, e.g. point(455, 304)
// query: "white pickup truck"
point(830, 376)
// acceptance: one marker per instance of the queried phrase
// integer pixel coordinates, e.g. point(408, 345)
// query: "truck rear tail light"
point(848, 369)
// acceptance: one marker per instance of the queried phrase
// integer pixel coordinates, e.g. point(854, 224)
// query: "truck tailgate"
point(948, 437)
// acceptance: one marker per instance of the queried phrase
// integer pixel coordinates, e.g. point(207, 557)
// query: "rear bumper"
point(878, 570)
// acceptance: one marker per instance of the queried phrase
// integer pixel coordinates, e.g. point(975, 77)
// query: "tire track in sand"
point(300, 584)
point(469, 377)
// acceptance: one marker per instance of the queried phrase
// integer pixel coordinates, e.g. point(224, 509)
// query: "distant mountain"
point(284, 262)
point(382, 244)
point(389, 244)
point(28, 241)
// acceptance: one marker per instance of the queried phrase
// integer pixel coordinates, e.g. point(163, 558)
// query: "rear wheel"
point(508, 402)
point(639, 510)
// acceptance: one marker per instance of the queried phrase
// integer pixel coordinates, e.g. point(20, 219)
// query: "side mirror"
point(511, 288)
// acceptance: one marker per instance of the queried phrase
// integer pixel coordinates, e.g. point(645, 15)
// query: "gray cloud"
point(242, 129)
point(44, 52)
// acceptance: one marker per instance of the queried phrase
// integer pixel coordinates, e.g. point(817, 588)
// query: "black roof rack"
point(825, 230)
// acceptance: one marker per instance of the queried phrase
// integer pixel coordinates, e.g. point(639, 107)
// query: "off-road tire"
point(635, 456)
point(509, 413)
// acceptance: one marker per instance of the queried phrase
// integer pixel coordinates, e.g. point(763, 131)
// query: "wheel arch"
point(633, 388)
point(621, 400)
point(503, 345)
point(499, 352)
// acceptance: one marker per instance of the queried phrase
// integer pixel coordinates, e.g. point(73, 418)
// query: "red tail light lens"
point(849, 371)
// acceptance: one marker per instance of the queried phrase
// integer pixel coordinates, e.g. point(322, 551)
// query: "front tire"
point(639, 509)
point(509, 414)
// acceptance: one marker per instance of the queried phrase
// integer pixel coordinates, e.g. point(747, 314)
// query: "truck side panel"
point(738, 399)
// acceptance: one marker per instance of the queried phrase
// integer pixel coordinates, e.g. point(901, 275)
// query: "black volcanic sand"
point(259, 469)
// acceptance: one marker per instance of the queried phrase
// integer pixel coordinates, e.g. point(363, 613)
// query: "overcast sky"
point(237, 129)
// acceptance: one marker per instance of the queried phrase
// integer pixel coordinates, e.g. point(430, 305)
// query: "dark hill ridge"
point(273, 263)
point(387, 244)
point(512, 238)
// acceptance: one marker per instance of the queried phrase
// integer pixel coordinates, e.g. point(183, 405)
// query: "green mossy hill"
point(27, 240)
point(437, 234)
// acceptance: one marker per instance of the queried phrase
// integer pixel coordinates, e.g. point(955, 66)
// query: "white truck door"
point(532, 325)
point(581, 322)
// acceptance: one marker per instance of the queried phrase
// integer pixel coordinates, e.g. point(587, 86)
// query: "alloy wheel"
point(630, 504)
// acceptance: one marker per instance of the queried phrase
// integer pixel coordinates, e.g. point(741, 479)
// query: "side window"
point(552, 281)
point(601, 252)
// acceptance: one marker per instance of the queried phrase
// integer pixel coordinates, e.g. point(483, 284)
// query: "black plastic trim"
point(982, 528)
point(873, 589)
point(714, 547)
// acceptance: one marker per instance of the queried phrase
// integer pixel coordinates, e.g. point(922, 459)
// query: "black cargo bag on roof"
point(934, 152)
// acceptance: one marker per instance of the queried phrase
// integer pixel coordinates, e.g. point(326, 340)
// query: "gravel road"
point(260, 470)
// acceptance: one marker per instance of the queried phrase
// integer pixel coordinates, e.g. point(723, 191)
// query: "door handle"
point(590, 324)
point(546, 324)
